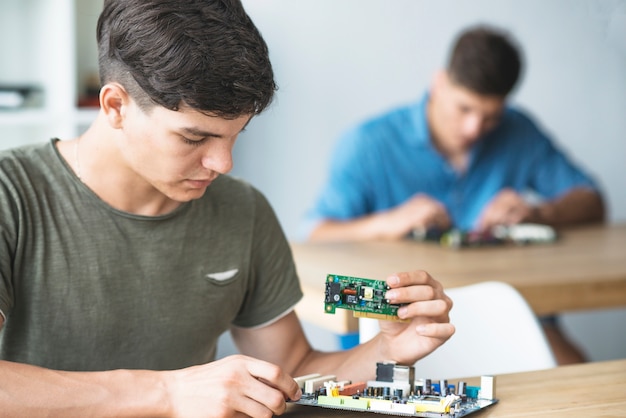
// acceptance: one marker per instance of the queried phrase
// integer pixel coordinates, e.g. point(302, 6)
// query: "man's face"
point(459, 117)
point(179, 153)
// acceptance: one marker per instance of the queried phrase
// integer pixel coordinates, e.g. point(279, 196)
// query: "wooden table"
point(584, 269)
point(582, 390)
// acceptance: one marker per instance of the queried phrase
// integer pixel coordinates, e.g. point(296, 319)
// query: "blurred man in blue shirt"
point(459, 157)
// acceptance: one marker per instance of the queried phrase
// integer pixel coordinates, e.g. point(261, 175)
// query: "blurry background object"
point(20, 96)
point(496, 332)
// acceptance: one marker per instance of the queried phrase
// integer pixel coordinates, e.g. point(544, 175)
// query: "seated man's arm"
point(33, 391)
point(579, 205)
point(427, 307)
point(232, 386)
point(419, 212)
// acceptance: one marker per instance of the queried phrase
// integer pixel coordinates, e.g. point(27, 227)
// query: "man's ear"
point(114, 102)
point(440, 80)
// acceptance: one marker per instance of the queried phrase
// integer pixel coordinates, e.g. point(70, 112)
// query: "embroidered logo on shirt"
point(220, 276)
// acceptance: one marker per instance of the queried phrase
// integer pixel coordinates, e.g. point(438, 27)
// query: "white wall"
point(339, 61)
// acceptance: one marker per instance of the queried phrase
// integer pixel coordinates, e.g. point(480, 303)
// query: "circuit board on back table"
point(365, 297)
point(520, 234)
point(396, 392)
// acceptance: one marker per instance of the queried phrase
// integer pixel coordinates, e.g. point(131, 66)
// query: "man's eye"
point(195, 142)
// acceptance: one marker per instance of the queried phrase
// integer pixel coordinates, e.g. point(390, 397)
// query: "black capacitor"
point(333, 290)
point(384, 372)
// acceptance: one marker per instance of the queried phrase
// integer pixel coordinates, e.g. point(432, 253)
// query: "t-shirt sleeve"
point(5, 272)
point(275, 287)
point(8, 237)
point(7, 240)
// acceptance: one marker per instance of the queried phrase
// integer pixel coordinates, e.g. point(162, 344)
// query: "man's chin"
point(187, 195)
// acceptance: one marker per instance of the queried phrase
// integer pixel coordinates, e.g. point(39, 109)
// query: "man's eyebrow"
point(199, 132)
point(191, 130)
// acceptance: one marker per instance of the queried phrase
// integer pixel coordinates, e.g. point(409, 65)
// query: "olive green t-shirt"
point(84, 286)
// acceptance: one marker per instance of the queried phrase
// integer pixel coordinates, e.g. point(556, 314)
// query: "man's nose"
point(219, 158)
point(473, 126)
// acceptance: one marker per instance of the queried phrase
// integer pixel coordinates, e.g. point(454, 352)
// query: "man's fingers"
point(430, 308)
point(439, 330)
point(417, 277)
point(272, 376)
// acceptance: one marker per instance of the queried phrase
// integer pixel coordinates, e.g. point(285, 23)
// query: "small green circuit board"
point(365, 297)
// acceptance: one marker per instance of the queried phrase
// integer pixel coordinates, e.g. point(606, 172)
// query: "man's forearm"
point(581, 205)
point(30, 391)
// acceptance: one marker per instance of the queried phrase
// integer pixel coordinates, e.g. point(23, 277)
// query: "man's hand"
point(236, 386)
point(426, 306)
point(419, 212)
point(507, 208)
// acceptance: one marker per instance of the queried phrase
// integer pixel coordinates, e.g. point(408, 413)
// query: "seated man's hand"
point(419, 212)
point(507, 208)
point(427, 308)
point(233, 386)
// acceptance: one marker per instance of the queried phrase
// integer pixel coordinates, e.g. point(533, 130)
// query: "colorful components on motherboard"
point(395, 391)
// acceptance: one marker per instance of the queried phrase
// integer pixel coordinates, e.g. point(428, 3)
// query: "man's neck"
point(100, 166)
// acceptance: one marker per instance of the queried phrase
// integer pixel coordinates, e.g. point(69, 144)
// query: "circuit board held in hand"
point(365, 297)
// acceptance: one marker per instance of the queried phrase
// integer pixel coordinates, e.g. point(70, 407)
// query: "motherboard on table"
point(396, 392)
point(365, 297)
point(519, 234)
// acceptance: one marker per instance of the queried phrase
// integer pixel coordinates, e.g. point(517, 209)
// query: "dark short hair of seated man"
point(164, 53)
point(486, 61)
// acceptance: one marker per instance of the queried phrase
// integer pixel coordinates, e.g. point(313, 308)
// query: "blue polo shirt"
point(386, 160)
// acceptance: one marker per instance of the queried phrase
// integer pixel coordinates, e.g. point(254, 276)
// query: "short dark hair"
point(206, 54)
point(485, 60)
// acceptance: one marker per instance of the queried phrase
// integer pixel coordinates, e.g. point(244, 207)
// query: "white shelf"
point(17, 117)
point(50, 45)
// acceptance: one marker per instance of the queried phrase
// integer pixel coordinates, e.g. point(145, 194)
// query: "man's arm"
point(221, 388)
point(32, 391)
point(579, 205)
point(427, 307)
point(421, 211)
point(235, 384)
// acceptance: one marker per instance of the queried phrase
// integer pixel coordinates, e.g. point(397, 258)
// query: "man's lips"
point(200, 183)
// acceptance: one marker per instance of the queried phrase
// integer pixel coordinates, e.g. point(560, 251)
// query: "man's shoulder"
point(518, 124)
point(25, 152)
point(404, 121)
point(26, 158)
point(399, 114)
point(518, 116)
